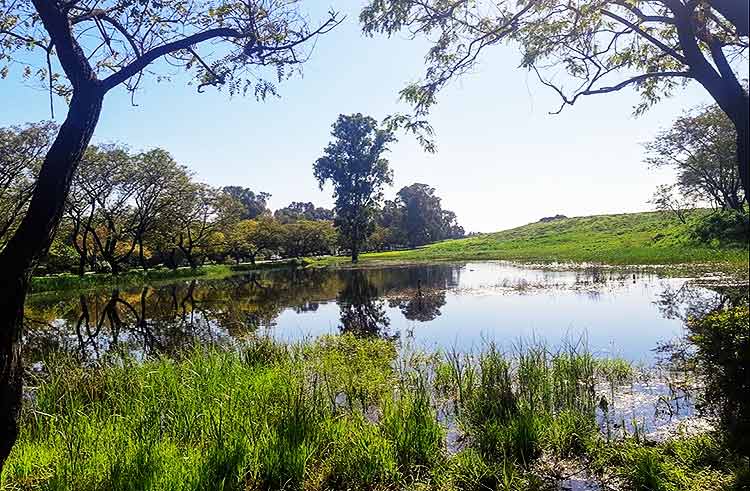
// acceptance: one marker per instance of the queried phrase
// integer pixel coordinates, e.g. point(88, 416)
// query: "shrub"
point(722, 339)
point(724, 227)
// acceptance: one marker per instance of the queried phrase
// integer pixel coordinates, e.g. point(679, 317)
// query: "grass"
point(68, 282)
point(336, 413)
point(626, 239)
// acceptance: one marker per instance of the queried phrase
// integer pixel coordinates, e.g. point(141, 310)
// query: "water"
point(451, 306)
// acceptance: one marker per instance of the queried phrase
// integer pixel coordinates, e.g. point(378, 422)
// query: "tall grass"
point(337, 413)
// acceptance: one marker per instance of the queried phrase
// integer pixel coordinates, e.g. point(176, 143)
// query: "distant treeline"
point(143, 209)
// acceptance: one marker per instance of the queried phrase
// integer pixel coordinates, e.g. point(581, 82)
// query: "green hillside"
point(631, 238)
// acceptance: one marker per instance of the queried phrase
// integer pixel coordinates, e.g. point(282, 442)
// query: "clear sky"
point(502, 159)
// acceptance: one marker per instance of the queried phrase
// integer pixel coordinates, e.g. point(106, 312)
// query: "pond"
point(438, 306)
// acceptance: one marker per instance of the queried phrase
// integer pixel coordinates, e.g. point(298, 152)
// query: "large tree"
point(654, 46)
point(100, 45)
point(298, 210)
point(254, 205)
point(420, 216)
point(355, 165)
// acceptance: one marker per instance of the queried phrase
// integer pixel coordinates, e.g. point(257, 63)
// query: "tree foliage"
point(701, 147)
point(298, 210)
point(22, 149)
point(603, 46)
point(262, 42)
point(418, 218)
point(254, 205)
point(354, 164)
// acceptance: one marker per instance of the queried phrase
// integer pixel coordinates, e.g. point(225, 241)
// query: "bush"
point(722, 339)
point(727, 226)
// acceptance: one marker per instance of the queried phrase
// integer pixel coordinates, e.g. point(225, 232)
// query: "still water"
point(449, 306)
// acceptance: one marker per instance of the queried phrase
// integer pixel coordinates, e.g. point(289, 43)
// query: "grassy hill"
point(631, 238)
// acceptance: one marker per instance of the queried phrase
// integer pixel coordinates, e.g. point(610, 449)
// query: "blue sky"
point(502, 159)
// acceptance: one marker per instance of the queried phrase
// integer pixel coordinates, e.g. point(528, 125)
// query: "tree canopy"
point(354, 164)
point(298, 210)
point(416, 217)
point(700, 146)
point(653, 46)
point(253, 205)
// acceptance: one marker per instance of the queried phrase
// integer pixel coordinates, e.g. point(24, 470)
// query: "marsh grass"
point(336, 413)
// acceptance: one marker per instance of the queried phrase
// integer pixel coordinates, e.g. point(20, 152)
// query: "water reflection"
point(362, 308)
point(443, 305)
point(690, 301)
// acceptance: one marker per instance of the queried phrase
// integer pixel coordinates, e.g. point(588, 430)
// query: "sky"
point(502, 160)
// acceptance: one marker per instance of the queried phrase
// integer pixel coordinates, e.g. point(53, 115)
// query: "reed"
point(335, 413)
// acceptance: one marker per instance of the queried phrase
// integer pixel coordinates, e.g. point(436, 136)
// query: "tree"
point(308, 238)
point(604, 46)
point(416, 217)
point(302, 211)
point(355, 165)
point(108, 181)
point(101, 45)
point(204, 212)
point(254, 205)
point(249, 238)
point(666, 198)
point(21, 152)
point(160, 180)
point(701, 147)
point(423, 217)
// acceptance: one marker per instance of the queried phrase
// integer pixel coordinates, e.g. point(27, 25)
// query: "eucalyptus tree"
point(355, 166)
point(700, 146)
point(297, 210)
point(254, 204)
point(653, 46)
point(422, 217)
point(87, 49)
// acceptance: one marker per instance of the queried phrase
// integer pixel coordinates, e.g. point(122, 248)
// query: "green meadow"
point(650, 238)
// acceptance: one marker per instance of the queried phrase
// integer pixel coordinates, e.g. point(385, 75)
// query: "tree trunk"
point(141, 257)
point(355, 250)
point(82, 265)
point(355, 244)
point(743, 157)
point(30, 243)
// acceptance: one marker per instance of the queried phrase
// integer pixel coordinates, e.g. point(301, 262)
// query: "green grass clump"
point(624, 239)
point(533, 403)
point(683, 464)
point(335, 413)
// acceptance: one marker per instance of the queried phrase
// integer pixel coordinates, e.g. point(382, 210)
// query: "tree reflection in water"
point(161, 319)
point(362, 308)
point(165, 318)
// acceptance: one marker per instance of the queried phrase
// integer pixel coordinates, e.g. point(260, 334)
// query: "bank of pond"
point(446, 376)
